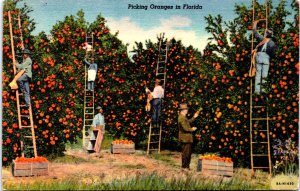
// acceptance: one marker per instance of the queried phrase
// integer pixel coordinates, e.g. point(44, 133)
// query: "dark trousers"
point(156, 106)
point(186, 154)
point(23, 82)
point(91, 85)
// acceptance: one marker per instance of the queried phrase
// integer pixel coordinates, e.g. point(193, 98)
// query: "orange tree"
point(225, 118)
point(179, 74)
point(58, 81)
point(10, 129)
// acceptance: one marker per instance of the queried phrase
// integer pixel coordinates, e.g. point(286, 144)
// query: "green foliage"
point(286, 156)
point(145, 182)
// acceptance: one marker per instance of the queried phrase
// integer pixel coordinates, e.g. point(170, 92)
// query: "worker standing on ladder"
point(157, 95)
point(92, 72)
point(23, 76)
point(185, 134)
point(263, 52)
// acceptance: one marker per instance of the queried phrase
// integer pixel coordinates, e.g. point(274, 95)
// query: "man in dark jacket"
point(265, 50)
point(185, 134)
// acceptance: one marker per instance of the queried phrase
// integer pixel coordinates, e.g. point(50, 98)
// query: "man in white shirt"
point(157, 95)
point(98, 123)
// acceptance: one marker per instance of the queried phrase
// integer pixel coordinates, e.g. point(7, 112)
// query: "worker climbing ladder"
point(154, 137)
point(89, 97)
point(260, 155)
point(25, 118)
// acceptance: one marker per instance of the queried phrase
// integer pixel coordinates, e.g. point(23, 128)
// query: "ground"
point(108, 167)
point(89, 169)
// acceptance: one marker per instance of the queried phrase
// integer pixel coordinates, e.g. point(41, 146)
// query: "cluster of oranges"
point(29, 160)
point(215, 157)
point(122, 142)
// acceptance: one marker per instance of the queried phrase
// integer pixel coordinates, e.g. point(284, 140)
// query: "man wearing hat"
point(24, 74)
point(264, 51)
point(98, 123)
point(157, 95)
point(185, 134)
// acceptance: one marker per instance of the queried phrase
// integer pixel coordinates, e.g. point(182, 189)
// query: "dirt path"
point(110, 167)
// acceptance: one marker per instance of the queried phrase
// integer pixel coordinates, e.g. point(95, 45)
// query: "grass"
point(131, 166)
point(166, 157)
point(143, 182)
point(69, 160)
point(78, 145)
point(108, 139)
point(242, 179)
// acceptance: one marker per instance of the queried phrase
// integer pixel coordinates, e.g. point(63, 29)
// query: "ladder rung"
point(88, 107)
point(16, 37)
point(88, 119)
point(153, 149)
point(88, 113)
point(257, 119)
point(258, 106)
point(30, 147)
point(26, 126)
point(89, 96)
point(260, 130)
point(260, 142)
point(260, 155)
point(154, 142)
point(155, 134)
point(25, 115)
point(28, 137)
point(159, 73)
point(261, 167)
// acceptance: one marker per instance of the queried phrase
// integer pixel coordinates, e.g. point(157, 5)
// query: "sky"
point(135, 23)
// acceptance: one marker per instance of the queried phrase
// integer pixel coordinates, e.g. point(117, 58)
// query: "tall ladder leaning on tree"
point(259, 148)
point(89, 97)
point(25, 118)
point(154, 136)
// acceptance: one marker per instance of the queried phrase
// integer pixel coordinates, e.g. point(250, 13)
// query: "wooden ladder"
point(259, 133)
point(89, 99)
point(25, 118)
point(154, 136)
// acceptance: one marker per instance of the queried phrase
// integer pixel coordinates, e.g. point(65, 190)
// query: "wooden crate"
point(215, 167)
point(30, 168)
point(122, 148)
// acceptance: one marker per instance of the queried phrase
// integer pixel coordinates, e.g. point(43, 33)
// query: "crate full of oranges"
point(122, 147)
point(35, 166)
